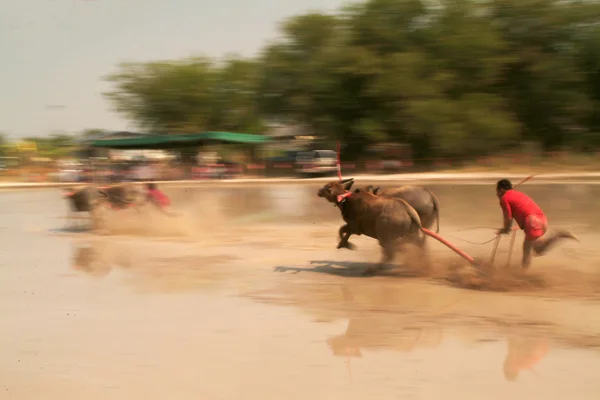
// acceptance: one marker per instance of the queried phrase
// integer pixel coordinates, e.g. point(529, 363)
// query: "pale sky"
point(55, 52)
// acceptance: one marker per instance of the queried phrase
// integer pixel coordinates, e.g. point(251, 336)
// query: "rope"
point(514, 228)
point(476, 243)
point(474, 228)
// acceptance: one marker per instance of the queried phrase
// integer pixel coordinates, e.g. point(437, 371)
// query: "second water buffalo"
point(420, 198)
point(387, 219)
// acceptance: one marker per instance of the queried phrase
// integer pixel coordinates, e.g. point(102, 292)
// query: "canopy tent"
point(178, 140)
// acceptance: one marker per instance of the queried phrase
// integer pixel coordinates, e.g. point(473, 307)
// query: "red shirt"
point(159, 197)
point(518, 205)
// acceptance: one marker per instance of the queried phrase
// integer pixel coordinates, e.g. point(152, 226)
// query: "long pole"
point(510, 249)
point(524, 180)
point(337, 161)
point(449, 245)
point(495, 250)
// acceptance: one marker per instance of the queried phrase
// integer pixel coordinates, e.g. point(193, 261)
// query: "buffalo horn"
point(346, 180)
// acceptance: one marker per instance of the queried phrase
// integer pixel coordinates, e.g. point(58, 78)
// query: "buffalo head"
point(334, 189)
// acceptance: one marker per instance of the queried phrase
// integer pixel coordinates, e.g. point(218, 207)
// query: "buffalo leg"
point(389, 249)
point(422, 260)
point(424, 250)
point(98, 223)
point(344, 236)
point(95, 220)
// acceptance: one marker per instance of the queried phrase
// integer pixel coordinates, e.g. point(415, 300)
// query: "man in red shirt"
point(158, 198)
point(530, 218)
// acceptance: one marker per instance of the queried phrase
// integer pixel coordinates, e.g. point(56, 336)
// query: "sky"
point(55, 53)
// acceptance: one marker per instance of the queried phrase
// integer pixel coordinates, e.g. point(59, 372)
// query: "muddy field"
point(245, 296)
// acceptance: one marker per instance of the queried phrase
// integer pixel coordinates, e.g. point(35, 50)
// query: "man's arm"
point(507, 213)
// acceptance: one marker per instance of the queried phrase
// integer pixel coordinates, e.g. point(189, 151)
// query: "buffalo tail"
point(436, 210)
point(414, 215)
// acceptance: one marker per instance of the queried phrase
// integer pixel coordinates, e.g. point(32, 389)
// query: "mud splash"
point(559, 281)
point(148, 222)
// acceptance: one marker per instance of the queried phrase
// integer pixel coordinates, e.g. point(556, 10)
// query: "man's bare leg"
point(527, 245)
point(543, 244)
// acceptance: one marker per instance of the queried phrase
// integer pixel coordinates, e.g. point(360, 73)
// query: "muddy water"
point(245, 296)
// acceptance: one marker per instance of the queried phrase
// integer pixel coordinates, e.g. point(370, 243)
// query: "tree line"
point(450, 78)
point(55, 145)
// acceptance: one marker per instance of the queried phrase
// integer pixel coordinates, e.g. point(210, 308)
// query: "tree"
point(544, 83)
point(56, 145)
point(381, 72)
point(187, 96)
point(296, 82)
point(235, 98)
point(3, 143)
point(91, 133)
point(450, 78)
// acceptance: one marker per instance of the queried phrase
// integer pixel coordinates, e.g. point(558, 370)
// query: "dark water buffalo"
point(387, 219)
point(122, 196)
point(91, 199)
point(420, 198)
point(84, 199)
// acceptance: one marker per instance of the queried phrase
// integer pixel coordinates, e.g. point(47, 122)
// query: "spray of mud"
point(545, 278)
point(195, 219)
point(147, 222)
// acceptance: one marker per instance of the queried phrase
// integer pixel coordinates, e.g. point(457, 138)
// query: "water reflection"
point(85, 259)
point(523, 353)
point(389, 333)
point(392, 317)
point(148, 266)
point(97, 258)
point(394, 333)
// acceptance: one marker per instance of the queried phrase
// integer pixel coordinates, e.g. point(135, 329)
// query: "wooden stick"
point(525, 180)
point(510, 248)
point(338, 163)
point(495, 250)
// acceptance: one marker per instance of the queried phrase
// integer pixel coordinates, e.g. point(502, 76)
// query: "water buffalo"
point(84, 199)
point(90, 199)
point(421, 199)
point(387, 219)
point(121, 196)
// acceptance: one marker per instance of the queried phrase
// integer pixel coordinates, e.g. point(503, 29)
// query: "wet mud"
point(243, 295)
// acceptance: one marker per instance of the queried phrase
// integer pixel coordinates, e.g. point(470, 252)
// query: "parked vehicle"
point(70, 171)
point(316, 163)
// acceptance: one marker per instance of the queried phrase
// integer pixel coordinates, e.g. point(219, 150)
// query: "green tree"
point(55, 145)
point(165, 96)
point(188, 96)
point(381, 71)
point(296, 82)
point(236, 97)
point(544, 83)
point(3, 143)
point(452, 77)
point(87, 133)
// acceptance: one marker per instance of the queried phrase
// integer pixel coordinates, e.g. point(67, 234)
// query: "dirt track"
point(245, 296)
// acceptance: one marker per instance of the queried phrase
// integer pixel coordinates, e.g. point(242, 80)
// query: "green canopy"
point(178, 140)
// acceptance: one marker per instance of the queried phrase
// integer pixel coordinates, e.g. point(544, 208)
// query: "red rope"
point(449, 245)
